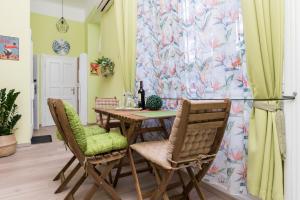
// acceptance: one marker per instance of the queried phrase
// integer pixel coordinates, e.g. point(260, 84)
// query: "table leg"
point(123, 128)
point(163, 125)
point(107, 127)
point(130, 135)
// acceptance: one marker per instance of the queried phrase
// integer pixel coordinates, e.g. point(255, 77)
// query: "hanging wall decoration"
point(9, 48)
point(107, 66)
point(61, 47)
point(62, 24)
point(94, 68)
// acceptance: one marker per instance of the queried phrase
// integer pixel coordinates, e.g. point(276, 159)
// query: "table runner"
point(154, 114)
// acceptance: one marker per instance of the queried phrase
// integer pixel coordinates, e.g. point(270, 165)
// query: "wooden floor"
point(28, 175)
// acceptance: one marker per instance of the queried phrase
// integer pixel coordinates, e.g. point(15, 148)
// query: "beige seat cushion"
point(154, 151)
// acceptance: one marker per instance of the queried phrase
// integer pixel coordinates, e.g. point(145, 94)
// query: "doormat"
point(41, 139)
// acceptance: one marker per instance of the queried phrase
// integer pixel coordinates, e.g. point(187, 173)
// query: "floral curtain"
point(195, 49)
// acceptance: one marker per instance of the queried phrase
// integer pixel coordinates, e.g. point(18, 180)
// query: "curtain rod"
point(284, 98)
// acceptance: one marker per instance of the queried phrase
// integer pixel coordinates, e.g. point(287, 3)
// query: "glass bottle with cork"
point(141, 96)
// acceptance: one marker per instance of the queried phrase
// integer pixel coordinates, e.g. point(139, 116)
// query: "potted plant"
point(106, 65)
point(8, 119)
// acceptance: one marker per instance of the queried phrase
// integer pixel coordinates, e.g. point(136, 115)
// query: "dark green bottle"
point(141, 96)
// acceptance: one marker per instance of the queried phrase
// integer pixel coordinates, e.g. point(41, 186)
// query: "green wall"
point(84, 37)
point(94, 89)
point(14, 15)
point(111, 86)
point(102, 41)
point(44, 33)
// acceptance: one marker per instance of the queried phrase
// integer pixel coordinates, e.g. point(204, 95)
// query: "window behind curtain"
point(195, 49)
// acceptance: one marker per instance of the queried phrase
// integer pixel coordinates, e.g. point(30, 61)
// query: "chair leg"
point(75, 187)
point(124, 131)
point(119, 170)
point(163, 185)
point(158, 179)
point(68, 179)
point(135, 176)
point(195, 183)
point(147, 162)
point(100, 179)
point(163, 125)
point(110, 178)
point(185, 194)
point(64, 169)
point(129, 133)
point(91, 192)
point(200, 174)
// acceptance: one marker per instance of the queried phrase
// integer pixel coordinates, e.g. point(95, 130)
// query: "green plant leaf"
point(8, 111)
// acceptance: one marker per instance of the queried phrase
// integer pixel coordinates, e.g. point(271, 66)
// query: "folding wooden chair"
point(103, 120)
point(107, 160)
point(61, 174)
point(195, 138)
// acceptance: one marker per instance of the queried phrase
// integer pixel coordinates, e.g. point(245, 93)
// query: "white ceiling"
point(76, 10)
point(72, 3)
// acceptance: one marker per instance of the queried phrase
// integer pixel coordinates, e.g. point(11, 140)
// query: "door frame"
point(83, 88)
point(36, 86)
point(44, 57)
point(292, 108)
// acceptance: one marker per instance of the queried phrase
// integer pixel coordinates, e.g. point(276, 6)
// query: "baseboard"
point(220, 192)
point(23, 145)
point(217, 191)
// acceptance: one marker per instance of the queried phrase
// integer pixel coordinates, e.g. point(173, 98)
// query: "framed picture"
point(94, 69)
point(9, 48)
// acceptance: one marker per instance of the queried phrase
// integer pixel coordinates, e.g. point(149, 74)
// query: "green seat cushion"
point(119, 141)
point(105, 143)
point(89, 131)
point(76, 126)
point(98, 144)
point(93, 130)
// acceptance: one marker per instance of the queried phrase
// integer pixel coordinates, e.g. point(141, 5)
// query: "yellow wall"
point(94, 88)
point(102, 41)
point(44, 33)
point(15, 15)
point(111, 86)
point(84, 37)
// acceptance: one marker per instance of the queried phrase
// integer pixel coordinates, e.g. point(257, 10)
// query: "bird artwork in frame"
point(94, 69)
point(9, 48)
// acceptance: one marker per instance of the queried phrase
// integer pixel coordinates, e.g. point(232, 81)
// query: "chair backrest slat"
point(196, 106)
point(198, 129)
point(206, 116)
point(57, 124)
point(105, 103)
point(62, 121)
point(205, 125)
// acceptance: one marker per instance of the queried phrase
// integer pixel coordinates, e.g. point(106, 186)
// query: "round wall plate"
point(61, 47)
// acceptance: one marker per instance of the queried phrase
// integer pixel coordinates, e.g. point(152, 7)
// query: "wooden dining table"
point(131, 122)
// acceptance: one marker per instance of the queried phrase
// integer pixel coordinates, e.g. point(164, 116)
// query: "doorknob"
point(73, 90)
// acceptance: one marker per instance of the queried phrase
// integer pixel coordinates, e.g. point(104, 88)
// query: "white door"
point(60, 82)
